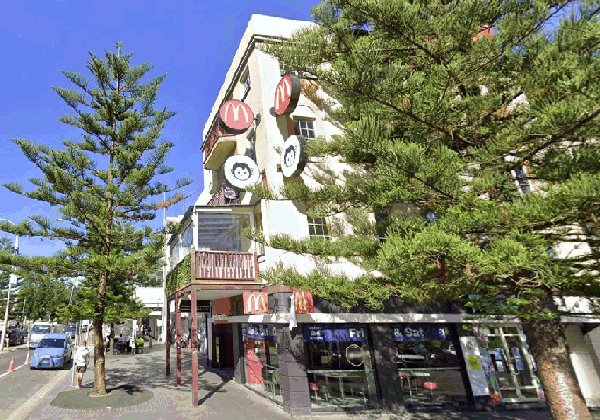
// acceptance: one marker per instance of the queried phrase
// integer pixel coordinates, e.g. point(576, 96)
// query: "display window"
point(511, 366)
point(428, 365)
point(339, 366)
point(262, 362)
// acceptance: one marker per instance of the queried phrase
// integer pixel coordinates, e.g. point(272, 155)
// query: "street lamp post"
point(12, 277)
point(77, 334)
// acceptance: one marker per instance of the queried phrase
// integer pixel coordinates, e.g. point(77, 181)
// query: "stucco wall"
point(583, 363)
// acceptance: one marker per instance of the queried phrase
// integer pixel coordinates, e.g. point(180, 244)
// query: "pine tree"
point(43, 299)
point(459, 109)
point(105, 187)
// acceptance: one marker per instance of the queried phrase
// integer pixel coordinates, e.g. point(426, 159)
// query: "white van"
point(38, 330)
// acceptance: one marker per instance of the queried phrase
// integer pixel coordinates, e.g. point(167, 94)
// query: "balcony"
point(229, 266)
point(210, 251)
point(217, 147)
point(215, 270)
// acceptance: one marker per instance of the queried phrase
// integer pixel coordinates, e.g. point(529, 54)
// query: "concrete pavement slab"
point(220, 397)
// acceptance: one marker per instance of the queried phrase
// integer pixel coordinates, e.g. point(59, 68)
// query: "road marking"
point(17, 368)
point(31, 404)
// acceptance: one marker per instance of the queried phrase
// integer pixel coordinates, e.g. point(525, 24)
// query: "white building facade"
point(311, 357)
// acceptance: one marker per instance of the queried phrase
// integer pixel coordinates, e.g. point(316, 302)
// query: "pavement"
point(140, 390)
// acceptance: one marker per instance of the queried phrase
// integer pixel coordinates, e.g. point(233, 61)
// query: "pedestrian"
point(82, 358)
point(107, 332)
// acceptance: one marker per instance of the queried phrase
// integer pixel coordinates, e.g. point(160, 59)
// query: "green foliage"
point(345, 292)
point(179, 276)
point(43, 299)
point(106, 186)
point(438, 118)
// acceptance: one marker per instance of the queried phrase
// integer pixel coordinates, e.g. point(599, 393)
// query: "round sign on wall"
point(293, 156)
point(287, 93)
point(241, 172)
point(354, 355)
point(236, 116)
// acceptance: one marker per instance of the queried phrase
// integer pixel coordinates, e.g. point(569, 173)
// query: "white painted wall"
point(583, 363)
point(150, 296)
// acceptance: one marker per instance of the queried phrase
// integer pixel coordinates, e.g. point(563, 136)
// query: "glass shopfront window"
point(511, 373)
point(428, 366)
point(339, 366)
point(262, 362)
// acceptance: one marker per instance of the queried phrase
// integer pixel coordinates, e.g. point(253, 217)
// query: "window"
point(305, 128)
point(317, 227)
point(339, 366)
point(251, 152)
point(522, 180)
point(428, 364)
point(246, 83)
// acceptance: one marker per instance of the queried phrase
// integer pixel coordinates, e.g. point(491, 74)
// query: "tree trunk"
point(549, 348)
point(99, 356)
point(99, 359)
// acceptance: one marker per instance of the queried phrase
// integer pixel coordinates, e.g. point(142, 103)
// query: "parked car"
point(16, 336)
point(72, 329)
point(38, 330)
point(53, 351)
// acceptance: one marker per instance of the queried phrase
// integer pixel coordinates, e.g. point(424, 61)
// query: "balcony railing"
point(216, 265)
point(225, 196)
point(217, 146)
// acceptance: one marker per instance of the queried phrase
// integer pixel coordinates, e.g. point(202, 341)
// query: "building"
point(313, 357)
point(152, 299)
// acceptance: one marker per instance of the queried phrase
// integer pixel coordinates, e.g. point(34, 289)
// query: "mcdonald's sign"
point(303, 302)
point(255, 303)
point(236, 115)
point(287, 93)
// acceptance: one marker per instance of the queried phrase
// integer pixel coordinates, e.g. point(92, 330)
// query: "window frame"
point(318, 222)
point(246, 83)
point(302, 131)
point(522, 180)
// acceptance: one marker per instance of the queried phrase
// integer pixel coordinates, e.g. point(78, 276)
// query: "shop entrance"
point(222, 346)
point(512, 362)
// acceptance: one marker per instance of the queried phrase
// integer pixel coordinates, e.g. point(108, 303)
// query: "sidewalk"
point(142, 378)
point(220, 398)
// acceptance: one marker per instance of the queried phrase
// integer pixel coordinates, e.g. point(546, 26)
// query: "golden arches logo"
point(233, 109)
point(256, 303)
point(283, 91)
point(301, 302)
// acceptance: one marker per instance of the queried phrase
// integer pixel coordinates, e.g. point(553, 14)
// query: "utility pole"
point(11, 278)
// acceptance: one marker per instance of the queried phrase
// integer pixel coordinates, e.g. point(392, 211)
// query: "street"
point(20, 386)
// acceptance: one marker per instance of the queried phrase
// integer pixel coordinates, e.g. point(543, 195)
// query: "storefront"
point(261, 360)
point(339, 367)
point(511, 367)
point(429, 368)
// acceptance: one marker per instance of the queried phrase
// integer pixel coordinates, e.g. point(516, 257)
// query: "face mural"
point(241, 172)
point(289, 156)
point(293, 156)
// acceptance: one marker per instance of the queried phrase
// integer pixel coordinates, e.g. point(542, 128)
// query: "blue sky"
point(191, 41)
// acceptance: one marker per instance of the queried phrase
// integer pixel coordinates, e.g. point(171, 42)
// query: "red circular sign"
point(287, 94)
point(236, 115)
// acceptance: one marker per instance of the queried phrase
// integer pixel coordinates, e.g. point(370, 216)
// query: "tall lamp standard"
point(12, 278)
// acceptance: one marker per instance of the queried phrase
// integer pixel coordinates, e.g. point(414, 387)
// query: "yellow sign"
point(473, 362)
